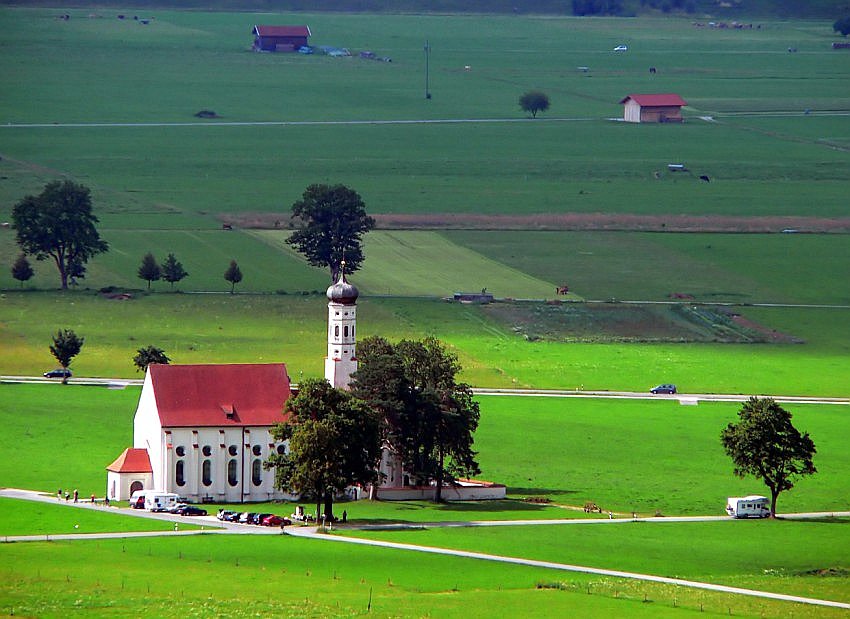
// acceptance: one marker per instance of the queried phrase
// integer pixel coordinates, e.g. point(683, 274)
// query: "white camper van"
point(748, 507)
point(160, 501)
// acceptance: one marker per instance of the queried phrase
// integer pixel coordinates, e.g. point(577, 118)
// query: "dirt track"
point(574, 221)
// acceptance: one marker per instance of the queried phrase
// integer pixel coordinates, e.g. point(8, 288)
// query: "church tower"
point(341, 361)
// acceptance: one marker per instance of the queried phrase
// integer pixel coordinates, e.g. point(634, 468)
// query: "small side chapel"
point(203, 431)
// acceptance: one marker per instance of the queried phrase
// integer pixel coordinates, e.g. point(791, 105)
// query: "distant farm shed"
point(665, 108)
point(280, 38)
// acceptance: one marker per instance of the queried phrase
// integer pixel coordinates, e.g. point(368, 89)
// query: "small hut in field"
point(280, 38)
point(662, 108)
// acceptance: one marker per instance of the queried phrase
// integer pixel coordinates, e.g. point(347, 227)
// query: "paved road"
point(684, 398)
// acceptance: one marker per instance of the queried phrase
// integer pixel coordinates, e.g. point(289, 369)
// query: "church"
point(204, 431)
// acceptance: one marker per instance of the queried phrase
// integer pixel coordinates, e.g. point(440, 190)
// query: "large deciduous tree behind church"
point(330, 223)
point(59, 224)
point(334, 442)
point(429, 417)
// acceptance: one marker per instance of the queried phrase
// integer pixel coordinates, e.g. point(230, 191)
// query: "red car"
point(275, 521)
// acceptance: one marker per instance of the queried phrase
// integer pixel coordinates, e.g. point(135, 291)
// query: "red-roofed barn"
point(280, 38)
point(663, 108)
point(206, 431)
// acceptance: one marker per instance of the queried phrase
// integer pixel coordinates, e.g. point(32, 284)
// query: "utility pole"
point(427, 62)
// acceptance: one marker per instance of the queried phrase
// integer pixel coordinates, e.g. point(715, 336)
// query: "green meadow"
point(110, 103)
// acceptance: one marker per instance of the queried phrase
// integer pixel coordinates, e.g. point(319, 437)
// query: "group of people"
point(76, 495)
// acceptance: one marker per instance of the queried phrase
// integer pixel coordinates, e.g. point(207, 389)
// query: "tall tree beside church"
point(331, 221)
point(59, 224)
point(429, 417)
point(66, 345)
point(334, 442)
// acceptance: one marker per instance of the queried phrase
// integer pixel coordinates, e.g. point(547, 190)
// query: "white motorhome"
point(160, 501)
point(753, 506)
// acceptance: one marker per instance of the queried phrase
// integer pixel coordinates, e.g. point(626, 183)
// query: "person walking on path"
point(76, 495)
point(59, 494)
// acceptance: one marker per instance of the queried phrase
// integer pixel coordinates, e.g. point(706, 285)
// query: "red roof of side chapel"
point(132, 461)
point(663, 100)
point(251, 394)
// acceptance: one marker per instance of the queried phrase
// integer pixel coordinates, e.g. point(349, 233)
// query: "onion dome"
point(342, 292)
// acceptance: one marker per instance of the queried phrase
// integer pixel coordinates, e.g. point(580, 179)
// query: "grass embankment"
point(19, 517)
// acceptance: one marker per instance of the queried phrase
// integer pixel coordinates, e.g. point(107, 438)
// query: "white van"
point(753, 506)
point(137, 500)
point(160, 501)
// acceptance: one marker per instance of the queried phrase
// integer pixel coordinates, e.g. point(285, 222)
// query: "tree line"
point(59, 225)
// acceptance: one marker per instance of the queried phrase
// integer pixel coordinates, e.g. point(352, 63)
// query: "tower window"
point(345, 331)
point(336, 331)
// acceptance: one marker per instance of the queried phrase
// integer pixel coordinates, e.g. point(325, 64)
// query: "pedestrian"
point(76, 495)
point(106, 500)
point(92, 498)
point(344, 516)
point(610, 516)
point(59, 494)
point(67, 496)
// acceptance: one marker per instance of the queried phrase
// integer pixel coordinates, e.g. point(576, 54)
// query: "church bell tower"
point(341, 361)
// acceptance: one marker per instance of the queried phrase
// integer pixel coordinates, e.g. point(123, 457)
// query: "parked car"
point(189, 510)
point(225, 515)
point(621, 48)
point(58, 373)
point(258, 518)
point(665, 388)
point(275, 521)
point(246, 517)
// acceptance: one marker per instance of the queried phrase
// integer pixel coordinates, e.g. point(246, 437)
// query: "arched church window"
point(232, 475)
point(257, 472)
point(180, 451)
point(179, 477)
point(207, 451)
point(206, 472)
point(233, 450)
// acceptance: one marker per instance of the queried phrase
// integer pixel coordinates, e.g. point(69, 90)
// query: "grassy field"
point(625, 456)
point(240, 575)
point(740, 554)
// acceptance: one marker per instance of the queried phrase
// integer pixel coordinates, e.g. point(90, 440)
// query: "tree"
point(842, 25)
point(534, 101)
point(429, 418)
point(767, 445)
point(334, 442)
point(21, 269)
point(66, 345)
point(149, 270)
point(147, 355)
point(172, 270)
point(331, 223)
point(59, 224)
point(233, 275)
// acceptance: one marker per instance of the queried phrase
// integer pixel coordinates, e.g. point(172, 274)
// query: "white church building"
point(204, 431)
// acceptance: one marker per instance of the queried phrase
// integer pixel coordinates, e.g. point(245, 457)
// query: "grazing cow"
point(562, 289)
point(705, 178)
point(652, 70)
point(226, 227)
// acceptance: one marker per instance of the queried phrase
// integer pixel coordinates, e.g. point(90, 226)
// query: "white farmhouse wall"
point(631, 111)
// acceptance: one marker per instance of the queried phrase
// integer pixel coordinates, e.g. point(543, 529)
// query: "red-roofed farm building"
point(280, 38)
point(663, 108)
point(206, 431)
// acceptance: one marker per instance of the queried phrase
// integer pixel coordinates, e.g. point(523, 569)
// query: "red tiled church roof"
point(662, 100)
point(251, 394)
point(131, 461)
point(282, 31)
